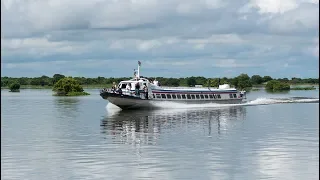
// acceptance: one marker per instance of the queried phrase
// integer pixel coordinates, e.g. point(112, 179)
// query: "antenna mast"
point(139, 64)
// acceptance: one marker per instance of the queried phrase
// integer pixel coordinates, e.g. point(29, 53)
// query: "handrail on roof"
point(134, 79)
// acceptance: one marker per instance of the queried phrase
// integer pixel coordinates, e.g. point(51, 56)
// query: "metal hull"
point(125, 103)
point(129, 102)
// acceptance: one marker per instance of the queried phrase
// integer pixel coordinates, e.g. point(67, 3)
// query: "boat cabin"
point(142, 81)
point(127, 90)
point(124, 85)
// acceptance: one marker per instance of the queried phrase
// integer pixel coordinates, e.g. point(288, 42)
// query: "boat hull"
point(131, 102)
point(126, 101)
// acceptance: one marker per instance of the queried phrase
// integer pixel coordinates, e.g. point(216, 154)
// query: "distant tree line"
point(241, 81)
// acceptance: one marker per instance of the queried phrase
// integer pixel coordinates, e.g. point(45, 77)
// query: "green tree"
point(256, 79)
point(191, 81)
point(295, 80)
point(23, 81)
point(4, 82)
point(35, 81)
point(243, 81)
point(183, 82)
point(266, 78)
point(214, 82)
point(225, 80)
point(14, 87)
point(286, 80)
point(275, 85)
point(45, 80)
point(67, 86)
point(100, 80)
point(173, 82)
point(57, 77)
point(201, 80)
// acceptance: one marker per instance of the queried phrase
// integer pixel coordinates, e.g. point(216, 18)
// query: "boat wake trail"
point(266, 101)
point(258, 101)
point(113, 109)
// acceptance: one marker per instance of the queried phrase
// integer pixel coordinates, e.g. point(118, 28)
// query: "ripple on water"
point(45, 137)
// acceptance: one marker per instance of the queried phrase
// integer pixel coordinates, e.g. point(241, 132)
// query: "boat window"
point(192, 96)
point(219, 97)
point(178, 96)
point(174, 96)
point(123, 86)
point(206, 96)
point(168, 96)
point(154, 96)
point(211, 96)
point(188, 96)
point(234, 96)
point(201, 96)
point(197, 96)
point(158, 96)
point(230, 95)
point(183, 96)
point(163, 96)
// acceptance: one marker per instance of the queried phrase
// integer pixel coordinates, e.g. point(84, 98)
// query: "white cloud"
point(218, 39)
point(29, 43)
point(39, 47)
point(116, 45)
point(274, 6)
point(303, 17)
point(314, 48)
point(251, 33)
point(147, 45)
point(232, 63)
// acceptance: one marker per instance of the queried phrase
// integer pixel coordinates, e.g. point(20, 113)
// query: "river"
point(271, 136)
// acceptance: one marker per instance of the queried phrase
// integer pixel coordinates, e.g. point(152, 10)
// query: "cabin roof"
point(196, 90)
point(135, 80)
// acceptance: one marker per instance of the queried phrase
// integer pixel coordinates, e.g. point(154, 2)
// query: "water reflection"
point(48, 137)
point(146, 126)
point(67, 106)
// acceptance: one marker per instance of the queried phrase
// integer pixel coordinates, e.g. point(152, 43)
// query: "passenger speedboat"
point(139, 92)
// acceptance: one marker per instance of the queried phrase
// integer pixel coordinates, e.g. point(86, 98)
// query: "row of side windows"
point(187, 96)
point(232, 95)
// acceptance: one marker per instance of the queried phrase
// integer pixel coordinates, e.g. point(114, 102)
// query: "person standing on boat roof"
point(137, 89)
point(119, 91)
point(128, 88)
point(114, 86)
point(145, 88)
point(134, 74)
point(155, 82)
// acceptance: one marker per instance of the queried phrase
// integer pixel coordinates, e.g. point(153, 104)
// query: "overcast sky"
point(172, 38)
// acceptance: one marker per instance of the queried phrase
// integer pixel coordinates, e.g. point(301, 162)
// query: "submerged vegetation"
point(303, 88)
point(275, 85)
point(14, 87)
point(243, 81)
point(255, 89)
point(68, 86)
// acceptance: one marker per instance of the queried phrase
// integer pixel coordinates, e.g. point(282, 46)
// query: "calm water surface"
point(47, 137)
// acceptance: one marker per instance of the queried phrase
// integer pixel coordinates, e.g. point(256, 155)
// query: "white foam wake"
point(112, 109)
point(259, 101)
